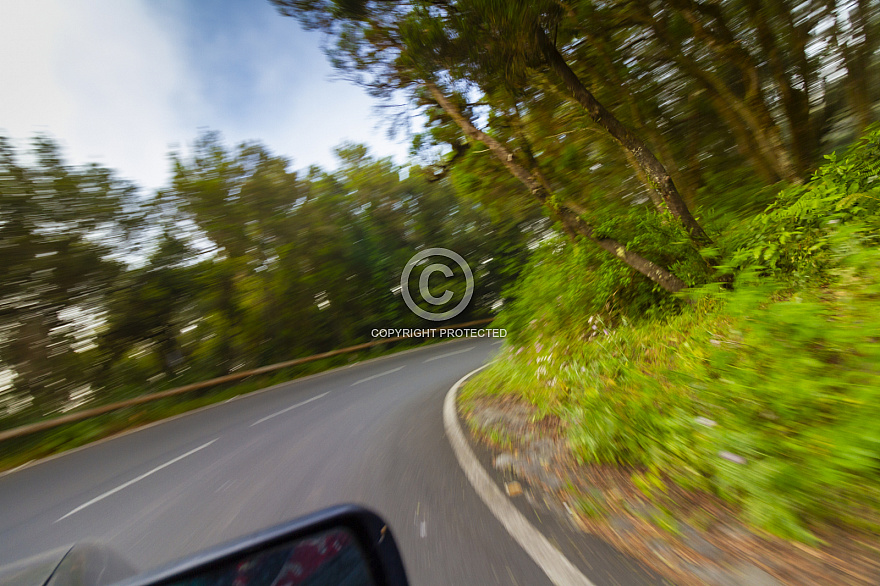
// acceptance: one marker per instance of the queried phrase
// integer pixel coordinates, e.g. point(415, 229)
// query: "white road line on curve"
point(277, 413)
point(448, 354)
point(133, 480)
point(387, 372)
point(557, 567)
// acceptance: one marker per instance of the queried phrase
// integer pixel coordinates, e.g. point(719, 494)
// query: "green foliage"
point(661, 239)
point(62, 232)
point(800, 236)
point(551, 294)
point(249, 263)
point(567, 286)
point(730, 196)
point(794, 386)
point(766, 393)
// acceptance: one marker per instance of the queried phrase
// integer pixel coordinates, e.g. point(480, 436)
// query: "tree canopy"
point(574, 100)
point(240, 262)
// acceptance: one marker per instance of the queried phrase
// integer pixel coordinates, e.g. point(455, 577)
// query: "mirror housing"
point(362, 536)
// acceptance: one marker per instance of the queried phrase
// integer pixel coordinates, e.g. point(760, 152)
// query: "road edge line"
point(552, 562)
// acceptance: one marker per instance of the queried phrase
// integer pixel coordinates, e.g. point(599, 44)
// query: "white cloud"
point(101, 76)
point(120, 83)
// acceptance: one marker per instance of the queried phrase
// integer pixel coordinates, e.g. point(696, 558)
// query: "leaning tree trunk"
point(571, 221)
point(653, 169)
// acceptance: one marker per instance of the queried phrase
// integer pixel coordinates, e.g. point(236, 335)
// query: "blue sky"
point(123, 82)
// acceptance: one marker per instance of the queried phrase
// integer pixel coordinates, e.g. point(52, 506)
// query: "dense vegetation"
point(241, 262)
point(767, 394)
point(613, 114)
point(707, 310)
point(703, 308)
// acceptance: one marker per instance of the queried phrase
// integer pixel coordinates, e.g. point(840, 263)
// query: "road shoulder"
point(685, 537)
point(566, 555)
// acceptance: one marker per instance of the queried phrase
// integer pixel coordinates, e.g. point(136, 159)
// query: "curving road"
point(371, 433)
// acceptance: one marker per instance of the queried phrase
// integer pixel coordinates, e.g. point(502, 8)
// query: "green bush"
point(798, 238)
point(767, 394)
point(566, 283)
point(794, 386)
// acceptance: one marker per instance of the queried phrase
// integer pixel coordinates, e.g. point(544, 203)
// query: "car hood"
point(73, 565)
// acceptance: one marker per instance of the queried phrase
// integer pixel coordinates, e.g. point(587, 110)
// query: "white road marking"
point(497, 343)
point(297, 381)
point(387, 372)
point(448, 354)
point(277, 413)
point(138, 479)
point(423, 531)
point(557, 567)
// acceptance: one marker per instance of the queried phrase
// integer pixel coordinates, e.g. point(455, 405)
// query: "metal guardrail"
point(95, 411)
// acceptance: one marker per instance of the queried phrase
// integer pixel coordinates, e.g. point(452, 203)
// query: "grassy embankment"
point(766, 394)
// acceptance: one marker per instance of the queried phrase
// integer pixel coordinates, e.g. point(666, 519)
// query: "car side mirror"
point(344, 545)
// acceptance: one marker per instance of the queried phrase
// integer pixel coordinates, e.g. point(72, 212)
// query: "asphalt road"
point(370, 433)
